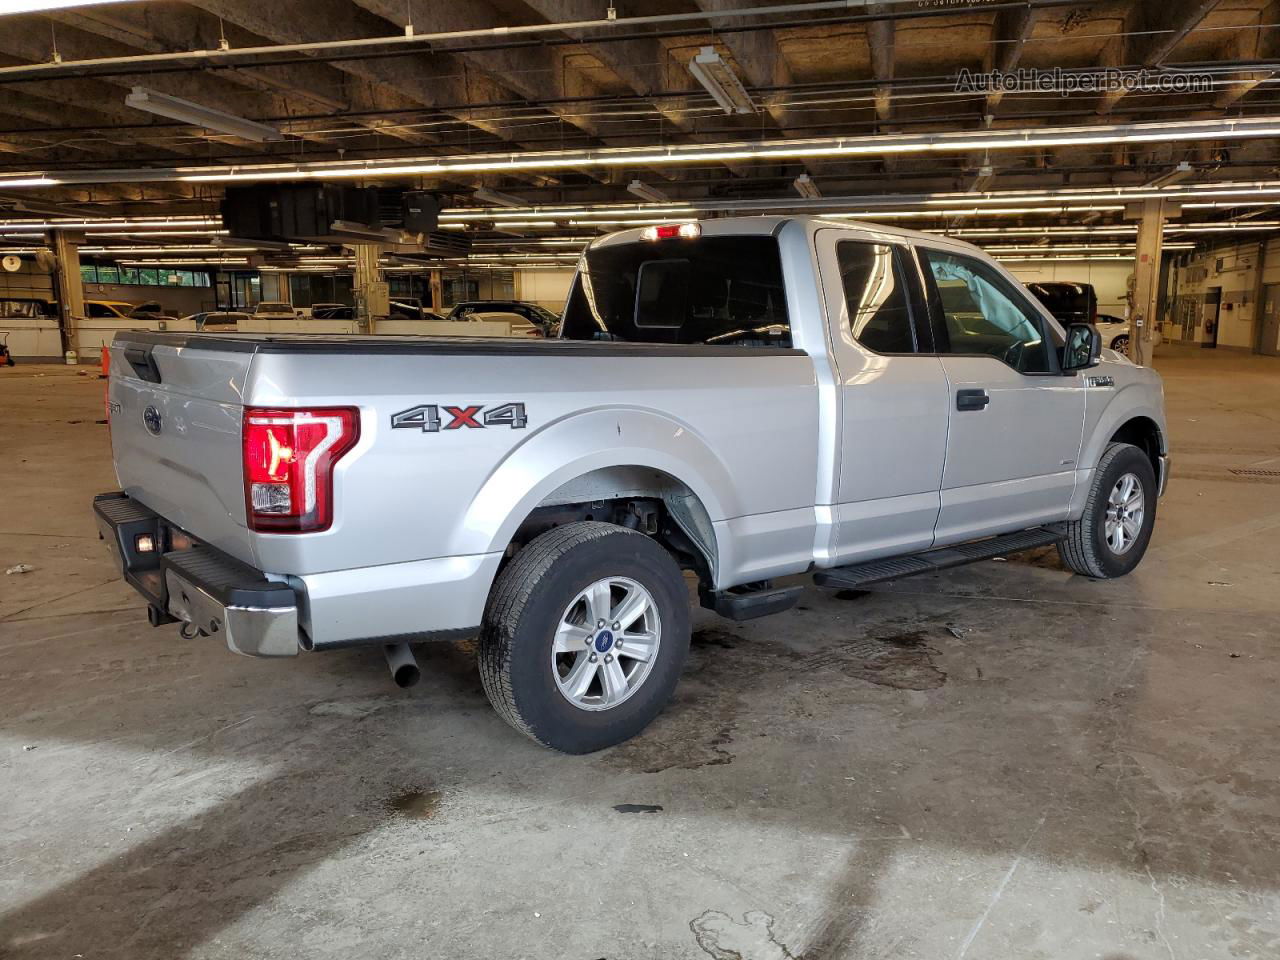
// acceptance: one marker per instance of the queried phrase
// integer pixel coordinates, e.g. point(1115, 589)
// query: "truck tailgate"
point(176, 416)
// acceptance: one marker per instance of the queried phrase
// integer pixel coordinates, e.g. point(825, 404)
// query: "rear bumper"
point(192, 582)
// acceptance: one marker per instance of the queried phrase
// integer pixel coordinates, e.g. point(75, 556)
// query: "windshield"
point(274, 308)
point(720, 291)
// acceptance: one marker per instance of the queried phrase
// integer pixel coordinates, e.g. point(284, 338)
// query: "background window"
point(981, 315)
point(876, 296)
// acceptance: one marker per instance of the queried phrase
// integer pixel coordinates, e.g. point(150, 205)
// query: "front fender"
point(1131, 400)
point(577, 444)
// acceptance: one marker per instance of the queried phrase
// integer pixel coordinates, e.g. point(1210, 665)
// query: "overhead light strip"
point(1023, 138)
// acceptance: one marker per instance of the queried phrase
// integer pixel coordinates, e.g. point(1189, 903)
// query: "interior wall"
point(1109, 278)
point(177, 301)
point(1232, 267)
point(547, 288)
point(27, 282)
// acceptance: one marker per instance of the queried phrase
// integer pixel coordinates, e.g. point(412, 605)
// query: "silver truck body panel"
point(812, 457)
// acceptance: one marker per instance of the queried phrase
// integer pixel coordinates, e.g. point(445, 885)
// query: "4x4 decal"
point(427, 417)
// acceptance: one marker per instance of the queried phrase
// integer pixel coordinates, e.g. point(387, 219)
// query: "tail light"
point(289, 456)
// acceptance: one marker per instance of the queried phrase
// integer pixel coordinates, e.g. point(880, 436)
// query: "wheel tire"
point(1121, 343)
point(1086, 550)
point(526, 606)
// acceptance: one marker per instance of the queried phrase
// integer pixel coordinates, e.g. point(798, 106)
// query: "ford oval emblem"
point(151, 420)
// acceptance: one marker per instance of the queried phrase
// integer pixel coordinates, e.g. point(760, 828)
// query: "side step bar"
point(742, 603)
point(893, 568)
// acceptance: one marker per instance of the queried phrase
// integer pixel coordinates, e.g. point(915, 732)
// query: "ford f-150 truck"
point(727, 403)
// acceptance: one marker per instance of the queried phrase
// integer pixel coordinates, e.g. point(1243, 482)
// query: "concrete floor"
point(1001, 762)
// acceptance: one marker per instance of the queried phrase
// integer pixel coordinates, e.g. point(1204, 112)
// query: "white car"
point(275, 309)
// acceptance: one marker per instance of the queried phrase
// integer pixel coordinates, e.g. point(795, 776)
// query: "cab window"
point(876, 297)
point(977, 312)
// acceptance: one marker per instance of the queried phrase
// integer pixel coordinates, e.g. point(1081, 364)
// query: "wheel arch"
point(606, 455)
point(1145, 434)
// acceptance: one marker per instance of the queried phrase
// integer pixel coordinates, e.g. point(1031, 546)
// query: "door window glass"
point(876, 296)
point(981, 315)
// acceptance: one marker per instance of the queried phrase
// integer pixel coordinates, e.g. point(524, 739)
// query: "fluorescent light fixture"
point(185, 111)
point(1180, 172)
point(959, 141)
point(646, 192)
point(805, 186)
point(710, 70)
point(497, 198)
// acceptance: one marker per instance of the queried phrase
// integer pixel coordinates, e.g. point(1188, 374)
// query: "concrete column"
point(373, 297)
point(1144, 303)
point(437, 292)
point(70, 287)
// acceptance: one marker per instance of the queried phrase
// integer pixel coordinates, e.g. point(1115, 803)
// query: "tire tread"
point(507, 600)
point(1078, 550)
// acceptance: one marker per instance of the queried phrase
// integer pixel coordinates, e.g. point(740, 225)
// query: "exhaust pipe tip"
point(403, 664)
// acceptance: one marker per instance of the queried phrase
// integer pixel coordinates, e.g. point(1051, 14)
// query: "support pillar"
point(373, 297)
point(1144, 301)
point(437, 292)
point(70, 286)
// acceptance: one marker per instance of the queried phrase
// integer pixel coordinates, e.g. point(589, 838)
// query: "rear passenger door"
point(893, 398)
point(1016, 421)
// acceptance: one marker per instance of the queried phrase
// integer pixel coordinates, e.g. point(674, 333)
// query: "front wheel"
point(585, 635)
point(1112, 534)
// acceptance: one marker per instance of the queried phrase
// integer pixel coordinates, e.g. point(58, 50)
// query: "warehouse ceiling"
point(422, 94)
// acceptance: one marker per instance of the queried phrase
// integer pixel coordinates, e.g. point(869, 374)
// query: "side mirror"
point(1083, 347)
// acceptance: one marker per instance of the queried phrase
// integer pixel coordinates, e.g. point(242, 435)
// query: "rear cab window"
point(719, 291)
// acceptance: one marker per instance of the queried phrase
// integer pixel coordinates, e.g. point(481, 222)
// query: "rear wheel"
point(584, 637)
point(1121, 343)
point(1112, 534)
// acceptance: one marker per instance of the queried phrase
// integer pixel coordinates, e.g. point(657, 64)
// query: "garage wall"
point(548, 288)
point(1233, 267)
point(1109, 278)
point(27, 282)
point(179, 301)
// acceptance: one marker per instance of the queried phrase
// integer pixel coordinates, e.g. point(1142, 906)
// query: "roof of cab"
point(770, 225)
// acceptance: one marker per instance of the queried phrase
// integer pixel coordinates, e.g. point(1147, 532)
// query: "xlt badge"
point(431, 417)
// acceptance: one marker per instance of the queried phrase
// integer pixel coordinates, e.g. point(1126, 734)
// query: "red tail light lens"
point(289, 457)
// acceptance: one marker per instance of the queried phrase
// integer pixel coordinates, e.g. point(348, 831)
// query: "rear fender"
point(578, 444)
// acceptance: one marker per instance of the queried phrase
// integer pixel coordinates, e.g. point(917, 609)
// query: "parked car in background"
point(275, 309)
point(736, 400)
point(108, 309)
point(547, 323)
point(151, 310)
point(217, 318)
point(332, 311)
point(31, 308)
point(408, 309)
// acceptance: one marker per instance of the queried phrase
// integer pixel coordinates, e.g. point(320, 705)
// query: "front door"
point(1016, 421)
point(892, 396)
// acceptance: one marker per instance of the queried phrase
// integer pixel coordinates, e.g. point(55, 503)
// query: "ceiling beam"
point(1158, 29)
point(1009, 34)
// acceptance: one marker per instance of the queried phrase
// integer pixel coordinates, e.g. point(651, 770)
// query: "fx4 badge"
point(1100, 381)
point(428, 417)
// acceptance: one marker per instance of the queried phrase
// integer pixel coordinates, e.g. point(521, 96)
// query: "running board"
point(750, 604)
point(894, 568)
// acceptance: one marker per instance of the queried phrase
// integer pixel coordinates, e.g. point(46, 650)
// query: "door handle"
point(972, 399)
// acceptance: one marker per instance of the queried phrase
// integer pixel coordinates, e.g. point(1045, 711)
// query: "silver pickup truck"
point(727, 403)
